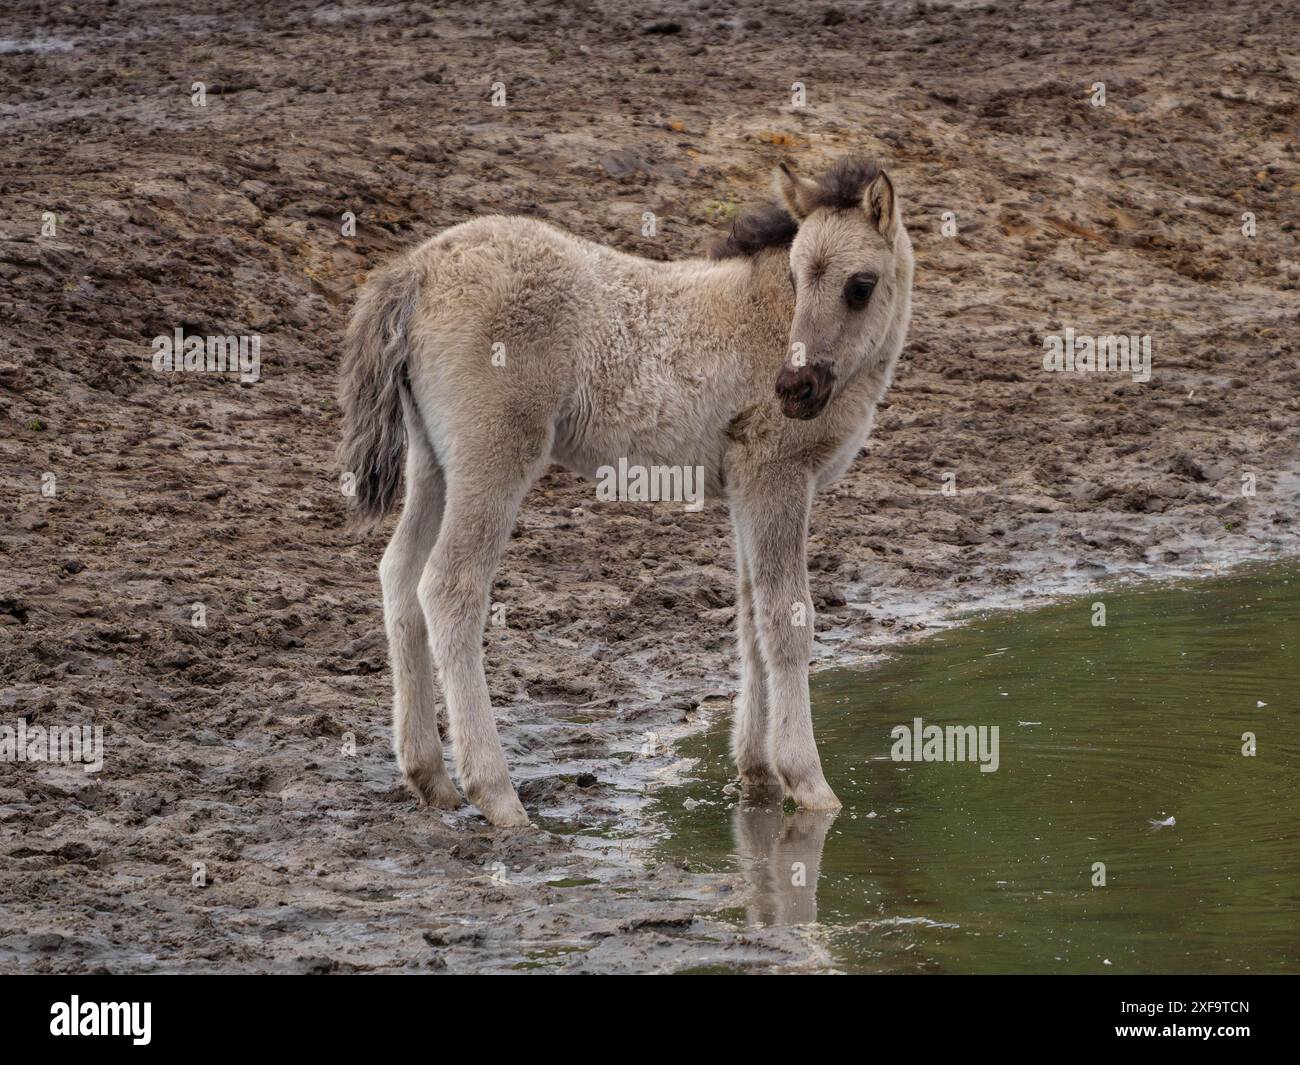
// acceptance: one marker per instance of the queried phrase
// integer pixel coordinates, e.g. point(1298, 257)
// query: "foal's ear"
point(799, 194)
point(878, 201)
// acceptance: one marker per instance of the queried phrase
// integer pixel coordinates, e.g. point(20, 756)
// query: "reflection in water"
point(781, 855)
point(1142, 817)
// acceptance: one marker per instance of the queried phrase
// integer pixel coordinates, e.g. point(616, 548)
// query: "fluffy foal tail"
point(372, 376)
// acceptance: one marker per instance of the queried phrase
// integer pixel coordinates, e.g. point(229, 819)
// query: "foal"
point(504, 344)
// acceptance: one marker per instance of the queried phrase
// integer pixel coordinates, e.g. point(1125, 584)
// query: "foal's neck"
point(764, 305)
point(769, 279)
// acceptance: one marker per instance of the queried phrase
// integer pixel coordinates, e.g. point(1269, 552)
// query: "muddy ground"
point(227, 747)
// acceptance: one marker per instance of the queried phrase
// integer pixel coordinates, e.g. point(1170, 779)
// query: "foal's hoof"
point(433, 788)
point(758, 783)
point(814, 795)
point(503, 810)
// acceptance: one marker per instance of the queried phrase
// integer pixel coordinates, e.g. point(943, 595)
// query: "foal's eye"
point(858, 289)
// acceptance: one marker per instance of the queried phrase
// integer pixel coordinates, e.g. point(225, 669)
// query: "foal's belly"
point(627, 463)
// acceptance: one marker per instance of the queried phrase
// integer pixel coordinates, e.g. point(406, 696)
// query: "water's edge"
point(916, 620)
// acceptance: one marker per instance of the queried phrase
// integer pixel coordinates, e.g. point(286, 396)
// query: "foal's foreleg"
point(749, 722)
point(415, 705)
point(772, 516)
point(483, 495)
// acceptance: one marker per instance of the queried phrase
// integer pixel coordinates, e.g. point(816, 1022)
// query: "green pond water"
point(1103, 730)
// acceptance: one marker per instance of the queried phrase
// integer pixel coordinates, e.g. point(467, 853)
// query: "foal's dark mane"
point(768, 226)
point(772, 226)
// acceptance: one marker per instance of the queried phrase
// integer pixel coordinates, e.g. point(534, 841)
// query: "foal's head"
point(850, 268)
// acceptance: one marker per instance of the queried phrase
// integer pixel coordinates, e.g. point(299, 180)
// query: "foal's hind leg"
point(485, 485)
point(415, 705)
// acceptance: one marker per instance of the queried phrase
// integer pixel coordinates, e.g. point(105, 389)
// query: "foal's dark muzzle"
point(804, 391)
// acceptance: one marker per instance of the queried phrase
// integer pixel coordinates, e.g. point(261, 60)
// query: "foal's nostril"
point(795, 383)
point(804, 390)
